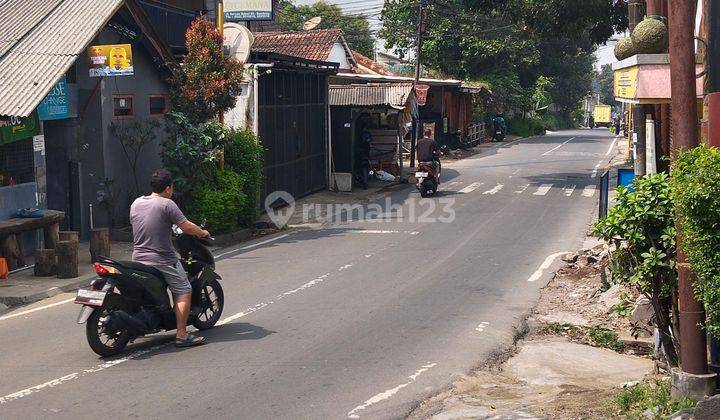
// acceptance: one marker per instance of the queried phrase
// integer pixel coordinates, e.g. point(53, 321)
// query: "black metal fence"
point(293, 131)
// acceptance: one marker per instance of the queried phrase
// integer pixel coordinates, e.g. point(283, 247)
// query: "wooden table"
point(11, 231)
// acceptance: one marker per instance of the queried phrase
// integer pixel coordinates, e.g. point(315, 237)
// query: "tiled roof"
point(311, 45)
point(368, 66)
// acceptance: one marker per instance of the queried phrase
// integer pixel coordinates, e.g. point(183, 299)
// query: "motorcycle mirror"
point(203, 223)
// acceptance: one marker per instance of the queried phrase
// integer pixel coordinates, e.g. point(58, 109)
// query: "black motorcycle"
point(131, 300)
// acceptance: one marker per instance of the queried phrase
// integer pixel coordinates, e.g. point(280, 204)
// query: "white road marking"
point(589, 191)
point(569, 190)
point(481, 327)
point(557, 147)
point(390, 392)
point(110, 363)
point(277, 238)
point(543, 189)
point(495, 190)
point(345, 267)
point(41, 308)
point(544, 266)
point(595, 171)
point(368, 255)
point(612, 145)
point(470, 188)
point(453, 183)
point(374, 232)
point(522, 189)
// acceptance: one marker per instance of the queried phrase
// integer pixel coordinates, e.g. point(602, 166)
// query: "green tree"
point(606, 80)
point(509, 43)
point(356, 28)
point(207, 83)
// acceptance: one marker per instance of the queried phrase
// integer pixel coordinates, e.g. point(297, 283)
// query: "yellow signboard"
point(626, 81)
point(110, 60)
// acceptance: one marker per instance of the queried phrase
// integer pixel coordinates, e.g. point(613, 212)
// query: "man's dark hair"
point(160, 180)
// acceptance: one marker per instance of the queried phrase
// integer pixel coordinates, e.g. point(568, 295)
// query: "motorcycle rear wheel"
point(95, 331)
point(213, 301)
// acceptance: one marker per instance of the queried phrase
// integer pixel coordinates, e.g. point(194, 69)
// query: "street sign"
point(246, 10)
point(55, 104)
point(15, 128)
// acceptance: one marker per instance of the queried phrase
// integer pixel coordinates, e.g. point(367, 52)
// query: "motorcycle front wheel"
point(212, 301)
point(102, 337)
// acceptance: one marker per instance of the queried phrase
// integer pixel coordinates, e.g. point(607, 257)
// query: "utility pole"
point(418, 50)
point(693, 380)
point(635, 15)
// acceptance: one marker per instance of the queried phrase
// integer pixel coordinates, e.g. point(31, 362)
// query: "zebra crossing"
point(536, 189)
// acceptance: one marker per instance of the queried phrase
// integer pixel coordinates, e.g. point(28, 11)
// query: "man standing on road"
point(152, 218)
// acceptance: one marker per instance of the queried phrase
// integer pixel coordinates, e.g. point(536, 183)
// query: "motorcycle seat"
point(132, 265)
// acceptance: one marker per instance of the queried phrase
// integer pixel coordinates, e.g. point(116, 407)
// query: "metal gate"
point(293, 131)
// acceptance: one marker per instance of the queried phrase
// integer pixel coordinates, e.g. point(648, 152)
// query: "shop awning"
point(39, 41)
point(395, 95)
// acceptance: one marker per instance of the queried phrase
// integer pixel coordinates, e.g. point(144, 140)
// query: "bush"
point(526, 127)
point(220, 202)
point(635, 401)
point(696, 190)
point(553, 122)
point(641, 226)
point(244, 155)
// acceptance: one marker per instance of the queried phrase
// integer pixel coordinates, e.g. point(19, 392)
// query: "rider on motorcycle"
point(429, 151)
point(152, 218)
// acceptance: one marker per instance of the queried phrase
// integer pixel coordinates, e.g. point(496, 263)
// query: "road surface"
point(357, 320)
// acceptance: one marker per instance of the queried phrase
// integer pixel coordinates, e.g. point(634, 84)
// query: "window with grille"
point(17, 163)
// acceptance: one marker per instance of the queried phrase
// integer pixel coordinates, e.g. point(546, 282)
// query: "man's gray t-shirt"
point(152, 218)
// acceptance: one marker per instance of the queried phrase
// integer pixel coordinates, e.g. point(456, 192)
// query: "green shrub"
point(641, 226)
point(696, 190)
point(220, 202)
point(635, 401)
point(526, 127)
point(244, 155)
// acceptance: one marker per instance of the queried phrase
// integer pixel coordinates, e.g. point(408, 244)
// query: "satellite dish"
point(312, 23)
point(238, 40)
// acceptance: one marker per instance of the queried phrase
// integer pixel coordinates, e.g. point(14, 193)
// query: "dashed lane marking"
point(470, 188)
point(481, 327)
point(543, 189)
point(522, 189)
point(568, 190)
point(495, 190)
point(589, 191)
point(544, 266)
point(558, 146)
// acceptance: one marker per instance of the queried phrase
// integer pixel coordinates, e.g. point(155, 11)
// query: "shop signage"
point(16, 128)
point(626, 81)
point(55, 104)
point(110, 60)
point(245, 10)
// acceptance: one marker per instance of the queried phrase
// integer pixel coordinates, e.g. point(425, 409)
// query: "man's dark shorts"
point(176, 278)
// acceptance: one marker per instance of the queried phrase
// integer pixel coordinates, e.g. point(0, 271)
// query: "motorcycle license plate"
point(90, 297)
point(421, 174)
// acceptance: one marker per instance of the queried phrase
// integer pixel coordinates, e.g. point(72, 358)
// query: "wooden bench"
point(11, 231)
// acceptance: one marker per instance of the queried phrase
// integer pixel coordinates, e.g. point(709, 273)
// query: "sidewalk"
point(23, 287)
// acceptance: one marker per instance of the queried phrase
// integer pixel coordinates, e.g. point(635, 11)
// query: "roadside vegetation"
point(648, 400)
point(218, 171)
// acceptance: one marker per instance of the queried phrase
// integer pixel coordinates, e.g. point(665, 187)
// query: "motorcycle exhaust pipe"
point(124, 320)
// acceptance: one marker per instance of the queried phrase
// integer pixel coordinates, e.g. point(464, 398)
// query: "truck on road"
point(602, 116)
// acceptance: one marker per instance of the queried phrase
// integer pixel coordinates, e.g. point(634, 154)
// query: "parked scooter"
point(131, 300)
point(499, 135)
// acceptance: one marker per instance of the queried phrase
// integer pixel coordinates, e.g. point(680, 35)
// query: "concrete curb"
point(10, 302)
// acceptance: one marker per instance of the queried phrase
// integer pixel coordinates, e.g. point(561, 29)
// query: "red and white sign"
point(421, 92)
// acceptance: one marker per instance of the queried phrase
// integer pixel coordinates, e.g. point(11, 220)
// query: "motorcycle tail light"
point(104, 270)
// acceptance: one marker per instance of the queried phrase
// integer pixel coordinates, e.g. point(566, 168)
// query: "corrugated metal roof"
point(33, 59)
point(391, 94)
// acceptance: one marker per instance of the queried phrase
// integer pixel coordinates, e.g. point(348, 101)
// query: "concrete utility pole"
point(693, 380)
point(636, 13)
point(418, 50)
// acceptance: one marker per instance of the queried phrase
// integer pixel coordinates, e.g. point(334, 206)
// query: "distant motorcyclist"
point(499, 127)
point(429, 151)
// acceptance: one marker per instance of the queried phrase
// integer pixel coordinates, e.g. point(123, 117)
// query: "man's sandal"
point(189, 341)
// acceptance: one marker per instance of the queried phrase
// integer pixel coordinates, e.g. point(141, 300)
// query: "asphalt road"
point(356, 320)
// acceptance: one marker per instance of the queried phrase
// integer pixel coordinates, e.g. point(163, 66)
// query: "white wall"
point(338, 55)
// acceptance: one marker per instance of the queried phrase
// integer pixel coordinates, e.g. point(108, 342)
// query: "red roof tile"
point(310, 45)
point(373, 66)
